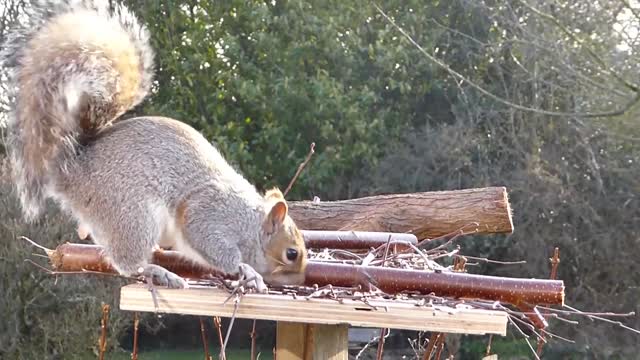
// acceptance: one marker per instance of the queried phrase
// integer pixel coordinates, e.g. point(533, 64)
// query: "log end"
point(508, 210)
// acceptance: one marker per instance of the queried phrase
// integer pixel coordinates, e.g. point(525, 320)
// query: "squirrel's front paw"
point(157, 275)
point(255, 279)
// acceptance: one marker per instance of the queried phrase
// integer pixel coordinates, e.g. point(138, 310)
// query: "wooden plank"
point(395, 314)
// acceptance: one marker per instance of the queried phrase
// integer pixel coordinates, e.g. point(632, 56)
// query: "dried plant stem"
point(253, 341)
point(312, 150)
point(136, 322)
point(218, 325)
point(433, 342)
point(205, 344)
point(236, 304)
point(103, 335)
point(555, 261)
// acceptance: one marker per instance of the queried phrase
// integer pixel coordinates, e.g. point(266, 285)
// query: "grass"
point(186, 355)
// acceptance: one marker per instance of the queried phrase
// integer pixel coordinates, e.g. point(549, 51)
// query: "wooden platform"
point(392, 314)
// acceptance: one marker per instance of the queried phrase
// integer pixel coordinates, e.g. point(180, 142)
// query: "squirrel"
point(73, 69)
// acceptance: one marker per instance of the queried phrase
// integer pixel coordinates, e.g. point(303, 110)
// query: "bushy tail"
point(72, 68)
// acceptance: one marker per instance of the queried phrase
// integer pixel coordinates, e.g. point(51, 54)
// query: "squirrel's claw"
point(250, 278)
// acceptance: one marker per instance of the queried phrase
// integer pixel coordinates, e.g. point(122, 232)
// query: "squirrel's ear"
point(273, 194)
point(276, 216)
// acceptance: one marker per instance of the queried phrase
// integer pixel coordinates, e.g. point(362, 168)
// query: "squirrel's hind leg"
point(129, 247)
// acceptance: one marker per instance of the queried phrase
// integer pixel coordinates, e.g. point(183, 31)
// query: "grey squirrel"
point(73, 69)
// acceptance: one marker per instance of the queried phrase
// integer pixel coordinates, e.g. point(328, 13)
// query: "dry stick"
point(383, 334)
point(236, 304)
point(312, 148)
point(103, 335)
point(203, 333)
point(481, 259)
point(253, 341)
point(383, 331)
point(366, 346)
point(557, 336)
point(432, 343)
point(555, 260)
point(595, 317)
point(218, 326)
point(440, 347)
point(588, 314)
point(452, 237)
point(136, 321)
point(488, 352)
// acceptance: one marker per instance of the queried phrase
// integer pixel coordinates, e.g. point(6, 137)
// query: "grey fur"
point(134, 184)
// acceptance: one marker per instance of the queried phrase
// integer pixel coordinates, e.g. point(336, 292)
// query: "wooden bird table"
point(315, 328)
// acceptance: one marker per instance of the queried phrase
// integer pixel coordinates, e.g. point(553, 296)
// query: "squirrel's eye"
point(292, 254)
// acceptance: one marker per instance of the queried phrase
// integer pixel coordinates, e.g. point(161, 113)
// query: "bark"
point(519, 292)
point(426, 215)
point(80, 257)
point(446, 284)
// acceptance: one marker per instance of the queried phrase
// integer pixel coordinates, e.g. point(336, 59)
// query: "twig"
point(452, 237)
point(312, 150)
point(493, 261)
point(557, 336)
point(433, 340)
point(136, 321)
point(103, 335)
point(620, 324)
point(83, 272)
point(203, 333)
point(440, 347)
point(253, 341)
point(383, 335)
point(532, 350)
point(555, 261)
point(383, 331)
point(585, 313)
point(236, 305)
point(47, 251)
point(216, 323)
point(488, 352)
point(373, 340)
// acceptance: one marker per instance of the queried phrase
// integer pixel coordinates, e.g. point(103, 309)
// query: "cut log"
point(519, 292)
point(85, 257)
point(426, 214)
point(446, 284)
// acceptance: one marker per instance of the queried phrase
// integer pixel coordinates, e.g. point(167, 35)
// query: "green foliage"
point(264, 81)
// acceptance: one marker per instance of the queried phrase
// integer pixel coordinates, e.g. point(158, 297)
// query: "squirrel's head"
point(285, 251)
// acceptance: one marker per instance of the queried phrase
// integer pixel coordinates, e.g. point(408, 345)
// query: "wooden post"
point(300, 341)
